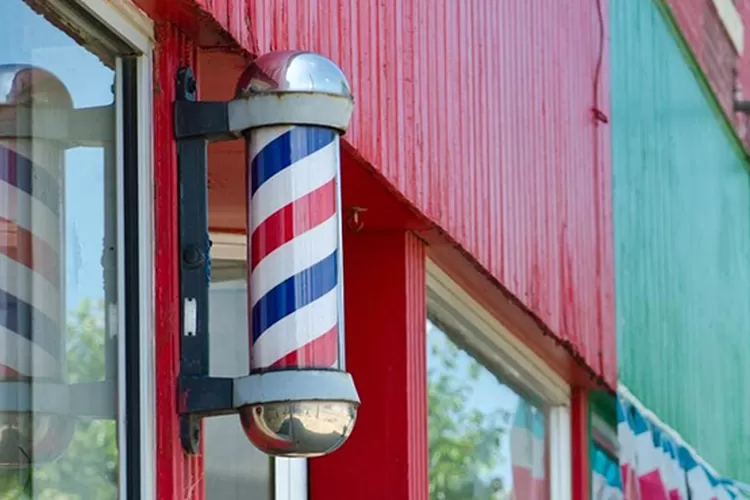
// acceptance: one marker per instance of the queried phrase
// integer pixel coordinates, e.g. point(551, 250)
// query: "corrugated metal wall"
point(479, 112)
point(682, 242)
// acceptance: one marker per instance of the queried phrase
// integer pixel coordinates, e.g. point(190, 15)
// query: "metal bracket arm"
point(92, 400)
point(88, 127)
point(220, 396)
point(223, 121)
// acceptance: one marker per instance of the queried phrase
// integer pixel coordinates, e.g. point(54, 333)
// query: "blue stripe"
point(285, 150)
point(29, 178)
point(294, 293)
point(28, 322)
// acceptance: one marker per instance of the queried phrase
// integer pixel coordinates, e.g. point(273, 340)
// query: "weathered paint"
point(178, 476)
point(479, 115)
point(386, 455)
point(682, 241)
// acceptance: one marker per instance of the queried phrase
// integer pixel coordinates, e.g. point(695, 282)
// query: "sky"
point(32, 40)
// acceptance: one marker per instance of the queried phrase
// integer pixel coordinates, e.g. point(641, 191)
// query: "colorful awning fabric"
point(656, 464)
point(606, 481)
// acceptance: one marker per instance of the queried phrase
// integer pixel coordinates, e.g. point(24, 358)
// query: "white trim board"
point(125, 19)
point(228, 246)
point(732, 21)
point(482, 331)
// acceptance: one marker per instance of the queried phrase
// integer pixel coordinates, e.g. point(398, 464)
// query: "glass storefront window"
point(486, 440)
point(234, 468)
point(60, 294)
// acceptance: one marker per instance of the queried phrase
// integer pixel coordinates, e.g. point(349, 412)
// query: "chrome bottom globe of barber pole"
point(295, 260)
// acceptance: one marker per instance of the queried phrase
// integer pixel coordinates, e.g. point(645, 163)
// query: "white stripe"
point(601, 490)
point(296, 330)
point(26, 357)
point(672, 474)
point(294, 257)
point(40, 152)
point(538, 459)
point(700, 486)
point(627, 444)
point(649, 458)
point(29, 286)
point(262, 137)
point(527, 451)
point(40, 220)
point(294, 182)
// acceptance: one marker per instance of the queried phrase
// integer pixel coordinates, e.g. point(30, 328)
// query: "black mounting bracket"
point(195, 124)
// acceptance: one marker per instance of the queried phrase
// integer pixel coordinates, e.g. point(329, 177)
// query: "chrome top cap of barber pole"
point(26, 84)
point(293, 71)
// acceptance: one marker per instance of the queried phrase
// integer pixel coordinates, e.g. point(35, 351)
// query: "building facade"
point(501, 218)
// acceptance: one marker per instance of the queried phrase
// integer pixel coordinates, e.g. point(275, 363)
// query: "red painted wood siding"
point(386, 455)
point(699, 23)
point(178, 476)
point(479, 113)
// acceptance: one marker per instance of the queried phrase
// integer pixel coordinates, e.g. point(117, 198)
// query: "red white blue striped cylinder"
point(32, 319)
point(31, 237)
point(294, 248)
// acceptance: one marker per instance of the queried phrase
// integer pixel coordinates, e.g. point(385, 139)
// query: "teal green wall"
point(682, 241)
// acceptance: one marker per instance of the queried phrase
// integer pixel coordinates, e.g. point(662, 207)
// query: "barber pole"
point(32, 319)
point(300, 402)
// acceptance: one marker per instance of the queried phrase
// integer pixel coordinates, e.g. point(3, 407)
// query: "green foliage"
point(89, 469)
point(465, 443)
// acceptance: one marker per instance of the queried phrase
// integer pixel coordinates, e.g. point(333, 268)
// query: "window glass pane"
point(606, 482)
point(487, 442)
point(235, 469)
point(58, 275)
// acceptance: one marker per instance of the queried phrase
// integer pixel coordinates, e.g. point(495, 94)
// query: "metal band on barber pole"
point(294, 251)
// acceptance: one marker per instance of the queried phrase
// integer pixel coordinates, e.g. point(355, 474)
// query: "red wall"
point(178, 475)
point(479, 113)
point(711, 46)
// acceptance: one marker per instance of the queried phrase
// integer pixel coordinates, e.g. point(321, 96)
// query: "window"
point(71, 258)
point(606, 480)
point(498, 417)
point(234, 468)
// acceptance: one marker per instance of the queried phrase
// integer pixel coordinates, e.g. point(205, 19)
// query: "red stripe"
point(8, 372)
point(292, 220)
point(22, 246)
point(320, 353)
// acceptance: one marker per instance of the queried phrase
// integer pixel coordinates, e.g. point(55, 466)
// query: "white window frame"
point(290, 475)
point(130, 24)
point(604, 436)
point(505, 353)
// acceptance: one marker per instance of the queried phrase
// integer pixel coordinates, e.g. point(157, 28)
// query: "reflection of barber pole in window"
point(527, 452)
point(32, 318)
point(294, 247)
